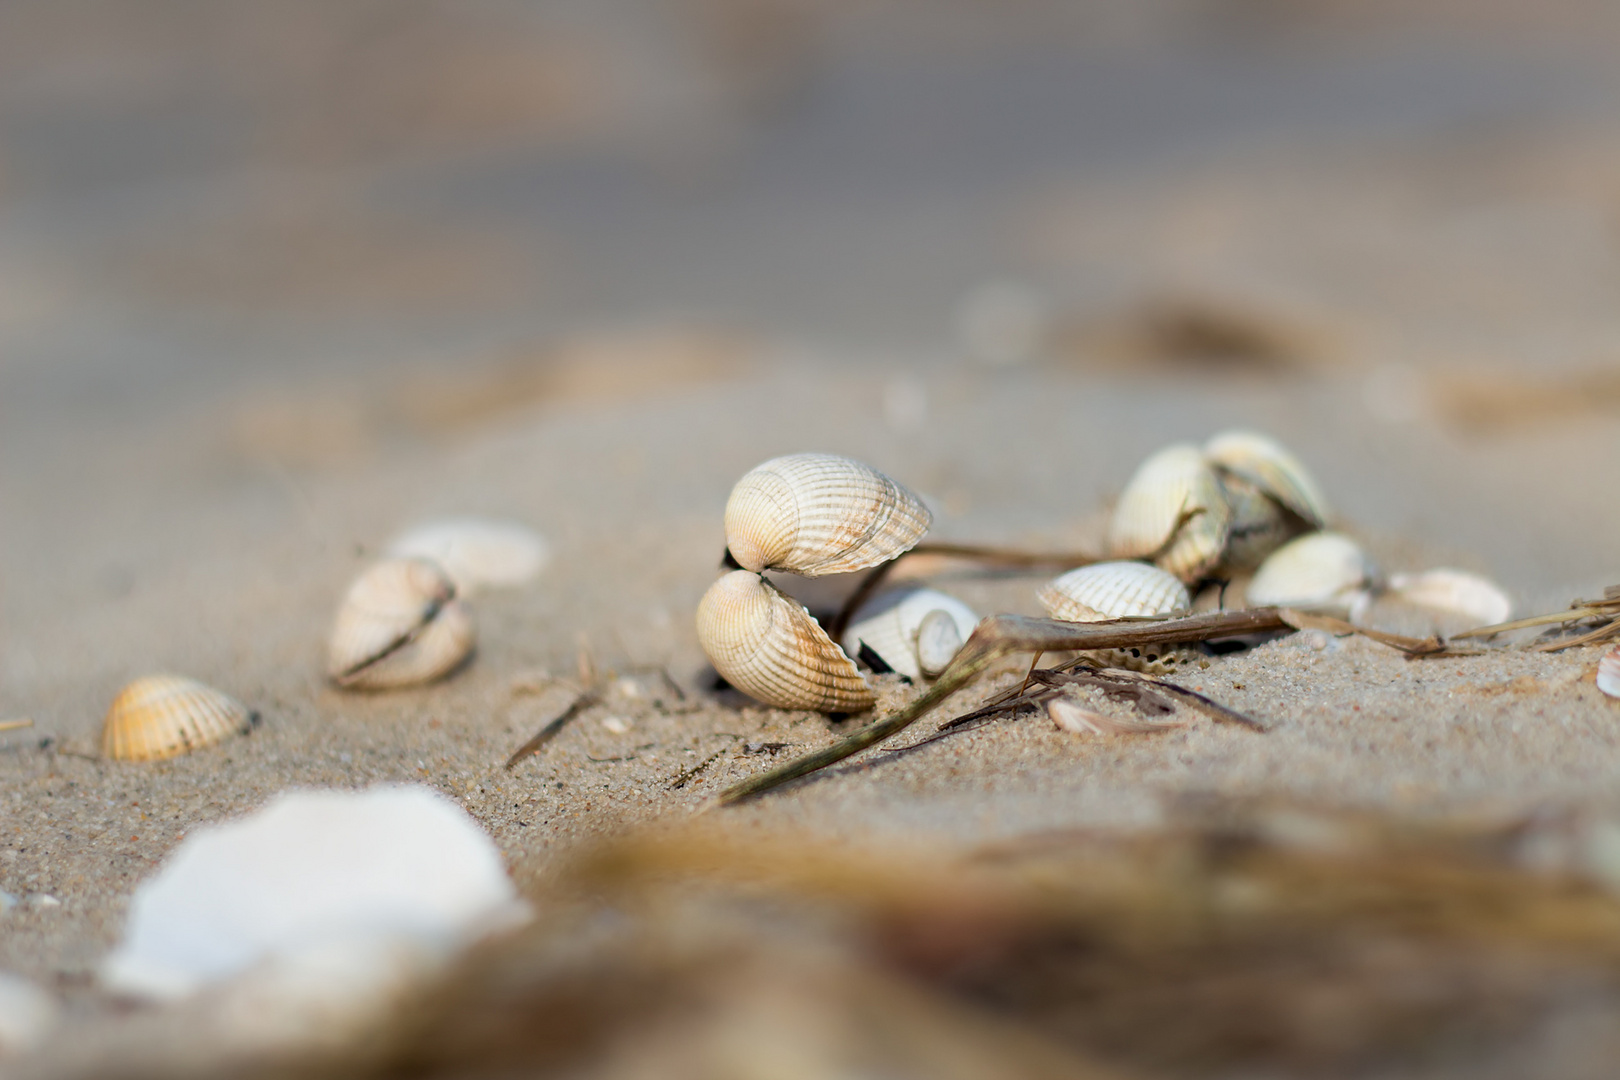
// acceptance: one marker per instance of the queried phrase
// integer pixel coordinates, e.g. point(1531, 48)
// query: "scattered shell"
point(1321, 571)
point(1113, 590)
point(399, 625)
point(819, 514)
point(916, 631)
point(1266, 465)
point(163, 716)
point(477, 553)
point(1172, 511)
point(1608, 672)
point(1456, 591)
point(767, 645)
point(1073, 717)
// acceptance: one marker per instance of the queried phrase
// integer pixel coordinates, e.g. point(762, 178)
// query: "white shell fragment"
point(399, 625)
point(163, 716)
point(1455, 591)
point(817, 514)
point(1113, 590)
point(914, 630)
point(1608, 673)
point(1072, 717)
point(768, 646)
point(1173, 511)
point(477, 553)
point(316, 882)
point(1322, 571)
point(27, 1014)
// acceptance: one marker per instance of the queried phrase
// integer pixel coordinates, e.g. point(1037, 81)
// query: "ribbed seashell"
point(163, 716)
point(767, 645)
point(1608, 672)
point(1320, 571)
point(399, 625)
point(817, 514)
point(1265, 464)
point(1172, 511)
point(1113, 590)
point(914, 630)
point(1455, 591)
point(477, 553)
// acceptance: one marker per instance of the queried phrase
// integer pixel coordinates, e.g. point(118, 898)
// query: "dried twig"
point(1416, 648)
point(584, 701)
point(16, 725)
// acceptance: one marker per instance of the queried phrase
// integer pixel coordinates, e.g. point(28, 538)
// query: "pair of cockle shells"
point(814, 514)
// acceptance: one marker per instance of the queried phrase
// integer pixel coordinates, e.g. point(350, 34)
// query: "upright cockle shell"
point(1321, 571)
point(767, 645)
point(1113, 590)
point(820, 514)
point(399, 625)
point(1265, 464)
point(1456, 591)
point(1608, 672)
point(163, 716)
point(914, 630)
point(477, 553)
point(1172, 511)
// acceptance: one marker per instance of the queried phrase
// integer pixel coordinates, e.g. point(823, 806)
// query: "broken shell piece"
point(915, 631)
point(1455, 591)
point(399, 625)
point(476, 553)
point(1263, 463)
point(767, 645)
point(163, 716)
point(1113, 590)
point(817, 514)
point(1070, 716)
point(1174, 512)
point(1608, 672)
point(1322, 571)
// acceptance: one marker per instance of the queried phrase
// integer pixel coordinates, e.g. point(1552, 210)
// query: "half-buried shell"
point(1321, 571)
point(1455, 591)
point(768, 646)
point(914, 631)
point(477, 553)
point(1174, 512)
point(163, 716)
point(817, 514)
point(1113, 590)
point(400, 624)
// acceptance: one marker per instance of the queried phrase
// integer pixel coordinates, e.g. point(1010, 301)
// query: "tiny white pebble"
point(615, 725)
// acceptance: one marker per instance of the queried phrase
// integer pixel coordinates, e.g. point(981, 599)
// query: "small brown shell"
point(1268, 466)
point(1174, 512)
point(767, 645)
point(1113, 590)
point(163, 716)
point(817, 514)
point(399, 625)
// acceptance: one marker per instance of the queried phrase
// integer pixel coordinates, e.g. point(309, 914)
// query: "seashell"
point(1174, 512)
point(164, 716)
point(915, 631)
point(1071, 716)
point(817, 514)
point(767, 645)
point(1113, 590)
point(1320, 571)
point(399, 625)
point(1455, 591)
point(1608, 673)
point(477, 553)
point(1263, 463)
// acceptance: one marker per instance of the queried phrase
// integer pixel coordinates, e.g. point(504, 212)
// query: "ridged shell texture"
point(163, 716)
point(899, 625)
point(817, 514)
point(399, 625)
point(1608, 673)
point(1113, 590)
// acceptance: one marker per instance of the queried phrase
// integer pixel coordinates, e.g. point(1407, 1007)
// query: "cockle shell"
point(399, 625)
point(1456, 591)
point(1266, 465)
point(1320, 571)
point(1608, 672)
point(914, 630)
point(817, 514)
point(163, 716)
point(477, 553)
point(1113, 590)
point(1172, 511)
point(767, 645)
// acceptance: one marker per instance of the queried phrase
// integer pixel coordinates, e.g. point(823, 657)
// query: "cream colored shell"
point(1455, 591)
point(163, 716)
point(477, 553)
point(915, 630)
point(399, 625)
point(817, 514)
point(1113, 590)
point(1267, 465)
point(1174, 512)
point(767, 645)
point(1320, 571)
point(1608, 672)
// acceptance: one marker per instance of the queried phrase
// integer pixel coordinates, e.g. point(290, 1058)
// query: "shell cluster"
point(164, 716)
point(810, 514)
